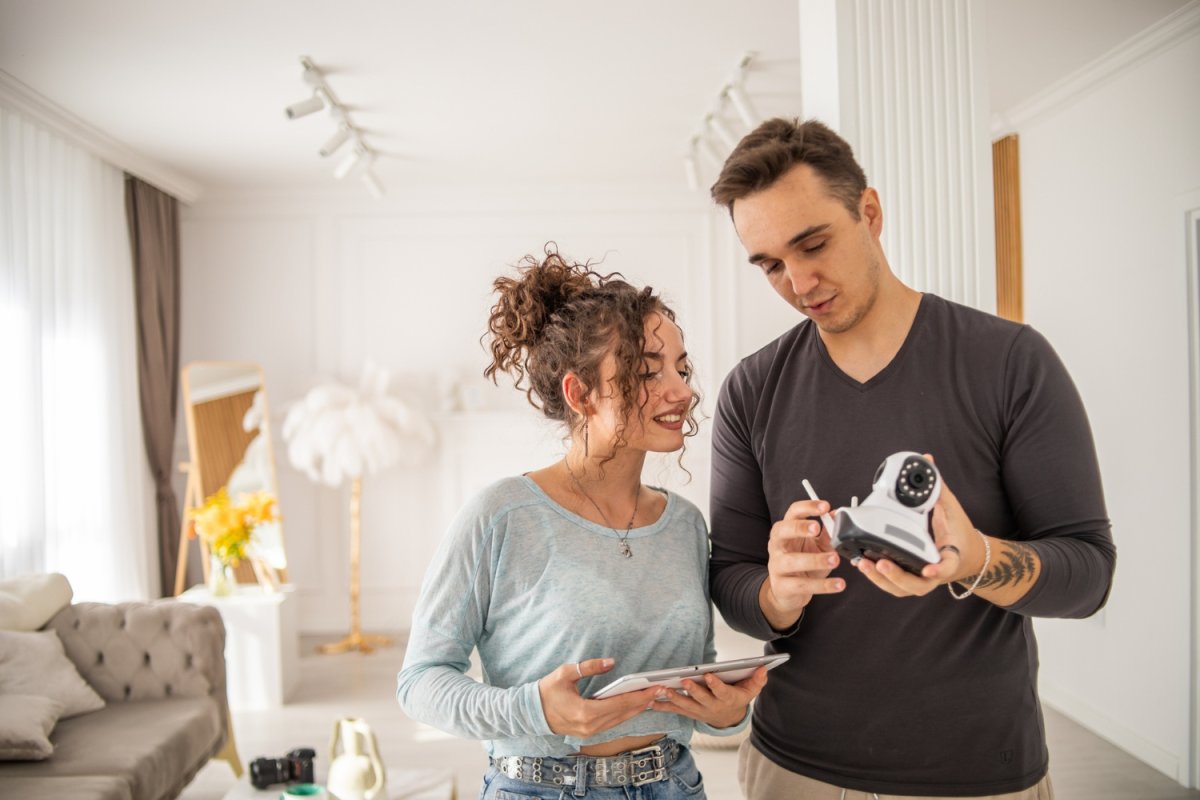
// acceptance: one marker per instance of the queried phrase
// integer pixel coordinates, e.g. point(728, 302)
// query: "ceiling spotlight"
point(334, 142)
point(721, 130)
point(692, 173)
point(305, 107)
point(349, 162)
point(361, 157)
point(741, 104)
point(373, 184)
point(714, 138)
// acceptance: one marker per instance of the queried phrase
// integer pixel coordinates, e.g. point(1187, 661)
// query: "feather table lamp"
point(338, 432)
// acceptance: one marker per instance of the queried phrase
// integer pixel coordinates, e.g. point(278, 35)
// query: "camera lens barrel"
point(916, 481)
point(267, 771)
point(295, 767)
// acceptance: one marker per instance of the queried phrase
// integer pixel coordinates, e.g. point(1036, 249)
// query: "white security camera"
point(893, 522)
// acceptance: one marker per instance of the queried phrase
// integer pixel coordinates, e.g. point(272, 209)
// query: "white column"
point(906, 84)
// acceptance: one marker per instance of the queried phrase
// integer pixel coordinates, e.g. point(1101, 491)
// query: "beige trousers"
point(763, 779)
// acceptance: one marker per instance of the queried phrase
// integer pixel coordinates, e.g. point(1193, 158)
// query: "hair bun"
point(556, 317)
point(526, 304)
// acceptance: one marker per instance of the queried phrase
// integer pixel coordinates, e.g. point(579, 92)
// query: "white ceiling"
point(1033, 43)
point(462, 92)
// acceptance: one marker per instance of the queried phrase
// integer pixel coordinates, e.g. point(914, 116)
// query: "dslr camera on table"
point(294, 768)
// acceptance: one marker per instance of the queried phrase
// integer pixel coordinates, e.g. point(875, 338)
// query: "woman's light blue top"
point(533, 586)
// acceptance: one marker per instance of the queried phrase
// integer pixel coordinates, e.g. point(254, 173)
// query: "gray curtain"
point(154, 235)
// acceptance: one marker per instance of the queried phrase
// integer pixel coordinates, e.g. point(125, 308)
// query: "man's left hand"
point(958, 543)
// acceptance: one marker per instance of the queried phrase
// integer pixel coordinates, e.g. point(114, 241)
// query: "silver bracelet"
point(987, 559)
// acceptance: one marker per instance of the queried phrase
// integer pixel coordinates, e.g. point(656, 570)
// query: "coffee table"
point(402, 784)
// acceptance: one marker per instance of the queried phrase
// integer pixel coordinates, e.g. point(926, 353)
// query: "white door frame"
point(1190, 208)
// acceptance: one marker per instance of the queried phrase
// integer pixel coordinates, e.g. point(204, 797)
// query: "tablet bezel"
point(730, 671)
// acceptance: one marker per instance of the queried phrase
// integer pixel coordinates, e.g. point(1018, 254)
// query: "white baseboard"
point(1104, 726)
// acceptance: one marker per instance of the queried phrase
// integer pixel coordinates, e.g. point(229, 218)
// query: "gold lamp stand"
point(356, 639)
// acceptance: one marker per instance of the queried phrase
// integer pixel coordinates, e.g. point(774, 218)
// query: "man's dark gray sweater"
point(929, 695)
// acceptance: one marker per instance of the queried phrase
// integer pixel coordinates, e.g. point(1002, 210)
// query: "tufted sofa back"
point(145, 651)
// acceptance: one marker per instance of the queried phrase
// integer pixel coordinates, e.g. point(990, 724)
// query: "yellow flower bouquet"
point(227, 528)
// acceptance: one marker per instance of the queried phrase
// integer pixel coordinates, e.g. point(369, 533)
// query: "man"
point(893, 687)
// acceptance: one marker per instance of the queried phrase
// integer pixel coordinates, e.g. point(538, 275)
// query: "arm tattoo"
point(1017, 564)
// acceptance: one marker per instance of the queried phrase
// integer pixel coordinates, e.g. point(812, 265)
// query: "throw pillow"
point(27, 603)
point(25, 724)
point(34, 663)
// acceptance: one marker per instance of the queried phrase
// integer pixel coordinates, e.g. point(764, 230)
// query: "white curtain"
point(73, 474)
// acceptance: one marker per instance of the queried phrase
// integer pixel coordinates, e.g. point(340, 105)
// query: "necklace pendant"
point(625, 551)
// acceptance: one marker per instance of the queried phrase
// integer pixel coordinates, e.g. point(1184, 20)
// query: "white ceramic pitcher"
point(355, 769)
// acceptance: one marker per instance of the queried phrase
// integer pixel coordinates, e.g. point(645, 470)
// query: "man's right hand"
point(570, 714)
point(799, 560)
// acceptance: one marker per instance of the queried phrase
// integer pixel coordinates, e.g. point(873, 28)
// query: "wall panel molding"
point(408, 283)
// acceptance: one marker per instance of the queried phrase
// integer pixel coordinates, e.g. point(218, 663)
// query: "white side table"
point(262, 644)
point(402, 784)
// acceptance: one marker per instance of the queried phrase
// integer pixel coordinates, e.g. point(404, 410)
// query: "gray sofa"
point(160, 667)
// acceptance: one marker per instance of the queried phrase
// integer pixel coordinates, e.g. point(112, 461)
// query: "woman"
point(570, 576)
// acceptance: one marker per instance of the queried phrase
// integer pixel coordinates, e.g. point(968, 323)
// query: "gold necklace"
point(623, 539)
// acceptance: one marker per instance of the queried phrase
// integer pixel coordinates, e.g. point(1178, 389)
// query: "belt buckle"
point(511, 767)
point(647, 765)
point(600, 772)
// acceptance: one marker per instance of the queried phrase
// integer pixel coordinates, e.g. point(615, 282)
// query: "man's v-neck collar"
point(889, 368)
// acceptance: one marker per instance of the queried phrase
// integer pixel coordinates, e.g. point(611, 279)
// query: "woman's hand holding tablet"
point(672, 678)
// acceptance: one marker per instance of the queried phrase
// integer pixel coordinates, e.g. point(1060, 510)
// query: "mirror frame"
point(195, 494)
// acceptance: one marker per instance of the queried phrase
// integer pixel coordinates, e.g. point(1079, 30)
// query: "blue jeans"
point(683, 782)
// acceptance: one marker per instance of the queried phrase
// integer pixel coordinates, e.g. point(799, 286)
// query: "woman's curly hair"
point(558, 316)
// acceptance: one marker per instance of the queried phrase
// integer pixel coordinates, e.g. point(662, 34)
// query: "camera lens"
point(916, 481)
point(267, 771)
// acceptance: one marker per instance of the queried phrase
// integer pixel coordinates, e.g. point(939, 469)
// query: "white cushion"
point(27, 603)
point(34, 663)
point(25, 724)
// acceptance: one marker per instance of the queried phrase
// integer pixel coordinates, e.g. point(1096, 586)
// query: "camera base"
point(356, 640)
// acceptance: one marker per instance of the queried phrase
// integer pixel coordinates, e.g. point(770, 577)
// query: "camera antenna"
point(825, 518)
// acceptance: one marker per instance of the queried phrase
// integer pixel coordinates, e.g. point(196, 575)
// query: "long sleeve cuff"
point(531, 701)
point(704, 727)
point(736, 595)
point(1075, 578)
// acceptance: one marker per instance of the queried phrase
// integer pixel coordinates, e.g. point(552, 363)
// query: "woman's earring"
point(585, 437)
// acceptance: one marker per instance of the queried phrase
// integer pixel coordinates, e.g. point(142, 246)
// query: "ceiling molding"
point(21, 98)
point(1152, 40)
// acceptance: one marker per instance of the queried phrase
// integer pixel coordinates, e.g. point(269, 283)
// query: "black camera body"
point(295, 767)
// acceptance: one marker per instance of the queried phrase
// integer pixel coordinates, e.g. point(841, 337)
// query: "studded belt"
point(632, 768)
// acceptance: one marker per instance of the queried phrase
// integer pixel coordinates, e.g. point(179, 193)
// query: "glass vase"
point(221, 580)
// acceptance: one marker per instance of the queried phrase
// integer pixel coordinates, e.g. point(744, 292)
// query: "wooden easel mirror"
point(229, 440)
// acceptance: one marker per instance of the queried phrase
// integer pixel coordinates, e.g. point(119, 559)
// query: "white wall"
point(1103, 170)
point(311, 286)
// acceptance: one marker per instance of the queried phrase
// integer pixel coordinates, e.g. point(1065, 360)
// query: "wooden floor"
point(1083, 766)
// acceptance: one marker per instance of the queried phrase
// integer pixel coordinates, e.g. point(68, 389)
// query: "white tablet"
point(728, 671)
